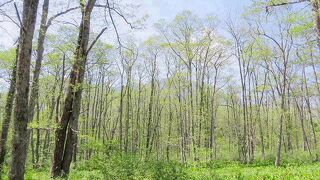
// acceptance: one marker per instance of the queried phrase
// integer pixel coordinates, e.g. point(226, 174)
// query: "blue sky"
point(168, 9)
point(156, 10)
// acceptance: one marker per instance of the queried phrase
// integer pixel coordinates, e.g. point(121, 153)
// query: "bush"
point(129, 167)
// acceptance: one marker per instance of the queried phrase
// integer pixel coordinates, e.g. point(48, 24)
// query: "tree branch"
point(126, 20)
point(10, 18)
point(18, 15)
point(3, 4)
point(96, 39)
point(119, 14)
point(59, 14)
point(285, 3)
point(114, 25)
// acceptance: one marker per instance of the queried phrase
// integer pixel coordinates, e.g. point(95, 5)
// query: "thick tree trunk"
point(316, 11)
point(21, 136)
point(65, 144)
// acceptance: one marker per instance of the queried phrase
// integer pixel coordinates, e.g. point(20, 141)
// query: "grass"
point(236, 171)
point(132, 168)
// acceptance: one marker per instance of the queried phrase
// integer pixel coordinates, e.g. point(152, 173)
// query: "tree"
point(45, 24)
point(21, 135)
point(66, 133)
point(8, 112)
point(315, 9)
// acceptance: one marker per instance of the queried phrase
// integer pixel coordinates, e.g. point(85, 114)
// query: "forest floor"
point(129, 169)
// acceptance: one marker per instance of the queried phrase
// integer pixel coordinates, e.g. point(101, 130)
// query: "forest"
point(101, 89)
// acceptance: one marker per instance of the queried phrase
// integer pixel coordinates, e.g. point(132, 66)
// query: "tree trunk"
point(65, 144)
point(21, 136)
point(8, 113)
point(283, 112)
point(316, 11)
point(34, 92)
point(150, 117)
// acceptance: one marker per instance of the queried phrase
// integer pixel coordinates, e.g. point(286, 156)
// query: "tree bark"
point(21, 136)
point(316, 11)
point(66, 133)
point(34, 92)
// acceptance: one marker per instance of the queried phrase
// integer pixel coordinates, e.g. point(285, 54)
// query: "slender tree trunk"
point(46, 143)
point(37, 148)
point(121, 115)
point(150, 117)
point(283, 112)
point(128, 107)
point(34, 91)
point(307, 98)
point(304, 134)
point(7, 114)
point(170, 122)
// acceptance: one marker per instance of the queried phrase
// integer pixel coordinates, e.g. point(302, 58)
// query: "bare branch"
point(10, 18)
point(18, 15)
point(107, 6)
point(3, 4)
point(61, 13)
point(126, 20)
point(114, 26)
point(68, 23)
point(285, 3)
point(96, 39)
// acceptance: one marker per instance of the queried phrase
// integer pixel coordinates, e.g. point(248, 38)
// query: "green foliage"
point(131, 167)
point(300, 30)
point(7, 58)
point(43, 124)
point(168, 170)
point(256, 8)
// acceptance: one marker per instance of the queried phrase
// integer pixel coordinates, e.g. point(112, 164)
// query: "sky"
point(168, 9)
point(158, 9)
point(155, 9)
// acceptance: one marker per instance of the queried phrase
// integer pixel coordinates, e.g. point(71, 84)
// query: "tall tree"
point(66, 133)
point(44, 26)
point(21, 136)
point(8, 113)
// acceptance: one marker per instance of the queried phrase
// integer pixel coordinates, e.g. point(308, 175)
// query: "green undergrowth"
point(131, 167)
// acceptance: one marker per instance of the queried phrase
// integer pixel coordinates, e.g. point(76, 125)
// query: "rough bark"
point(316, 11)
point(66, 133)
point(20, 139)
